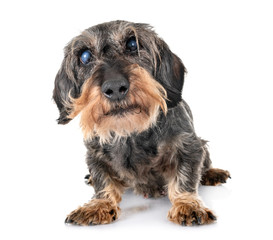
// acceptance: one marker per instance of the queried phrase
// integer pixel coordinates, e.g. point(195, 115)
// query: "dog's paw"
point(189, 214)
point(97, 211)
point(215, 176)
point(88, 180)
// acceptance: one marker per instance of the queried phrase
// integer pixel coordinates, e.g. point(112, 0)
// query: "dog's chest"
point(134, 155)
point(142, 160)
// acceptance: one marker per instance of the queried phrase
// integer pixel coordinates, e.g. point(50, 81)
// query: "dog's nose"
point(116, 88)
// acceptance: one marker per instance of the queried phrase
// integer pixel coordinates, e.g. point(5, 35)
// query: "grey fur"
point(167, 152)
point(146, 162)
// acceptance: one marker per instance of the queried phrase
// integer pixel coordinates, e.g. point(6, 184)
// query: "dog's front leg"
point(102, 209)
point(187, 207)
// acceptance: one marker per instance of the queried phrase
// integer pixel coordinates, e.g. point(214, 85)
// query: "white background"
point(227, 47)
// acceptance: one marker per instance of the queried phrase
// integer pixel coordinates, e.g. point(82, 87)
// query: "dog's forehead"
point(114, 31)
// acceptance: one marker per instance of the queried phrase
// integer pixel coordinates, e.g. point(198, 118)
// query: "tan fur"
point(103, 210)
point(97, 211)
point(145, 93)
point(112, 192)
point(187, 208)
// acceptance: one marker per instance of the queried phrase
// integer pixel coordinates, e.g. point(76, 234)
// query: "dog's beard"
point(106, 120)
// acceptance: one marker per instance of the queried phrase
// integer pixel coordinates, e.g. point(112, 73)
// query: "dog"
point(126, 84)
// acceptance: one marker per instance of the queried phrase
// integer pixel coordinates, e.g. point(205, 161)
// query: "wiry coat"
point(147, 161)
point(144, 140)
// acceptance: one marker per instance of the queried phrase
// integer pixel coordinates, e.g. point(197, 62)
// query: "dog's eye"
point(131, 44)
point(86, 57)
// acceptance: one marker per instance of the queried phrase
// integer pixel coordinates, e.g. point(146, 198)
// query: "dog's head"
point(119, 75)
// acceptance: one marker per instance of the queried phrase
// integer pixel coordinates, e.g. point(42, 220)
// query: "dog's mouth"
point(121, 110)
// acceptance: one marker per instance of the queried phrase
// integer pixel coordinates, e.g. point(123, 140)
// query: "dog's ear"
point(170, 73)
point(64, 88)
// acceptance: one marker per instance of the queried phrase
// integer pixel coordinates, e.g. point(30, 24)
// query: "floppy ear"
point(64, 88)
point(170, 74)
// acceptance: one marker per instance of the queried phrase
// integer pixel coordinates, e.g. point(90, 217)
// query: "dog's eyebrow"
point(85, 40)
point(87, 34)
point(131, 31)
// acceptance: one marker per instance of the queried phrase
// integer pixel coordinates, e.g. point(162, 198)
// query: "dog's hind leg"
point(214, 176)
point(88, 180)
